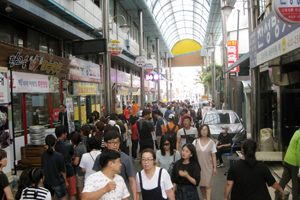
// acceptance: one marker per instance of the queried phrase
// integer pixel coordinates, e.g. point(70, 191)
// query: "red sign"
point(56, 113)
point(287, 11)
point(115, 47)
point(149, 67)
point(152, 90)
point(233, 54)
point(146, 90)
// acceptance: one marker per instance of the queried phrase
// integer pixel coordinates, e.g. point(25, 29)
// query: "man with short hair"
point(63, 115)
point(223, 144)
point(112, 141)
point(135, 108)
point(177, 110)
point(192, 113)
point(62, 147)
point(159, 127)
point(222, 105)
point(85, 132)
point(106, 184)
point(186, 131)
point(113, 121)
point(167, 113)
point(145, 129)
point(185, 114)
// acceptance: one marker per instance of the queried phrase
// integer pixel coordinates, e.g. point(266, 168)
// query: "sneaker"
point(220, 165)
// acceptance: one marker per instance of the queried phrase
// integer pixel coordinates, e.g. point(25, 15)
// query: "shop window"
point(18, 36)
point(52, 47)
point(32, 39)
point(17, 112)
point(37, 109)
point(112, 8)
point(5, 31)
point(43, 44)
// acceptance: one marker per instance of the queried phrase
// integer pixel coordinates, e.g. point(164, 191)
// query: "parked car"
point(217, 118)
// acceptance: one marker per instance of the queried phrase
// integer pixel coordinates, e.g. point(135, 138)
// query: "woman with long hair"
point(247, 177)
point(53, 164)
point(206, 153)
point(5, 191)
point(23, 183)
point(199, 115)
point(153, 182)
point(34, 190)
point(186, 174)
point(167, 153)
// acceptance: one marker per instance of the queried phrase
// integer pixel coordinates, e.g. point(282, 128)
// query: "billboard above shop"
point(81, 70)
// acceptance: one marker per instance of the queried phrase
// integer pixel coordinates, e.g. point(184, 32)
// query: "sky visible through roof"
point(181, 19)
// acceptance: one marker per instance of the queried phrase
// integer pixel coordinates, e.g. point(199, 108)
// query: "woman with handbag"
point(153, 182)
point(206, 153)
point(167, 156)
point(186, 174)
point(5, 191)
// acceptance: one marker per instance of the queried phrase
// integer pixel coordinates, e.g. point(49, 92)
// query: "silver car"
point(217, 118)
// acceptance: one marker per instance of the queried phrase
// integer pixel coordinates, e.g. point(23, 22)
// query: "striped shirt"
point(41, 193)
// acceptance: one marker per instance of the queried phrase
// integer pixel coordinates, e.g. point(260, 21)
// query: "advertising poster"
point(24, 83)
point(119, 110)
point(70, 111)
point(86, 88)
point(4, 138)
point(93, 107)
point(83, 115)
point(98, 108)
point(3, 88)
point(76, 113)
point(233, 54)
point(55, 113)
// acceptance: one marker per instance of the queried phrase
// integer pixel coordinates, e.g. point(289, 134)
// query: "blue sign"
point(269, 31)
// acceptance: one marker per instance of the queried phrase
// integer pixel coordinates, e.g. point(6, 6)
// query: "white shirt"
point(98, 181)
point(165, 181)
point(191, 131)
point(214, 148)
point(87, 162)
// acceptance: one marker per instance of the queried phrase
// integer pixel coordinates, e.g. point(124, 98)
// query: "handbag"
point(188, 138)
point(170, 170)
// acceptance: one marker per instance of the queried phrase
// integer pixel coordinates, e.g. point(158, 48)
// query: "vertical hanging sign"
point(233, 54)
point(70, 111)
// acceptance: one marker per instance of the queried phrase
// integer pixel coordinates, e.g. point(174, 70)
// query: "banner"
point(93, 107)
point(70, 111)
point(98, 108)
point(30, 83)
point(86, 88)
point(3, 88)
point(233, 54)
point(123, 91)
point(83, 115)
point(76, 113)
point(55, 113)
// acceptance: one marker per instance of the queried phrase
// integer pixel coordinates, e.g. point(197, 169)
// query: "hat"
point(225, 127)
point(171, 116)
point(111, 122)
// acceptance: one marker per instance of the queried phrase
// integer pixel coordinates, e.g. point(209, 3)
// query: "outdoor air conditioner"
point(283, 79)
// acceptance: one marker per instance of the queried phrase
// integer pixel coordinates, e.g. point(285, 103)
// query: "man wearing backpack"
point(171, 129)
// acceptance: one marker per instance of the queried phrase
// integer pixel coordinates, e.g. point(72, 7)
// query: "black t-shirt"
point(250, 182)
point(144, 127)
point(224, 139)
point(3, 184)
point(61, 147)
point(53, 165)
point(192, 168)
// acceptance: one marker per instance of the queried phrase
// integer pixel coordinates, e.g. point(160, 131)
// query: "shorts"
point(79, 181)
point(72, 185)
point(59, 190)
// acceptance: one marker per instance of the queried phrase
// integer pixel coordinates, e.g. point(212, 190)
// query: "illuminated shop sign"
point(153, 77)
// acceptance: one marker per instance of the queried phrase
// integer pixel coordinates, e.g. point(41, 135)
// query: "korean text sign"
point(233, 54)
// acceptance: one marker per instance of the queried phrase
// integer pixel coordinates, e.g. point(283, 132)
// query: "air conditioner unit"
point(280, 79)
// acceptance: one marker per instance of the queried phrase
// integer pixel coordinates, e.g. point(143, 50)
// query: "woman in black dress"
point(186, 174)
point(5, 191)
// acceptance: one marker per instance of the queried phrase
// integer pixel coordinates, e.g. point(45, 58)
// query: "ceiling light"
point(125, 28)
point(8, 8)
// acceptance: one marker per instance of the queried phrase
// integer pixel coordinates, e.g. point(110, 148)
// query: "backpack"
point(172, 135)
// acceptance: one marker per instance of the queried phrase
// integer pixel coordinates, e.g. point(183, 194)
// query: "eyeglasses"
point(114, 143)
point(166, 144)
point(147, 160)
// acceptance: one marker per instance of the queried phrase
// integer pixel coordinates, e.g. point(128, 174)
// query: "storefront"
point(136, 89)
point(84, 89)
point(36, 81)
point(122, 90)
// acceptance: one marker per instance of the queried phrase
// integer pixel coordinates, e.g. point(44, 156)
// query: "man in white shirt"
point(186, 131)
point(106, 184)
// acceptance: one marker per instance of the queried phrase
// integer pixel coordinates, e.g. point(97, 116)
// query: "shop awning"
point(241, 60)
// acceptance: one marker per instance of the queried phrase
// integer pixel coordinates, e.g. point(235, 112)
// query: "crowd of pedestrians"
point(176, 158)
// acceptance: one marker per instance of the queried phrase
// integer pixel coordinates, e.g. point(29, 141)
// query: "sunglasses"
point(166, 144)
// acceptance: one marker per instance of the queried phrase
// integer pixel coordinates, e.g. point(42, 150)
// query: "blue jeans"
point(59, 190)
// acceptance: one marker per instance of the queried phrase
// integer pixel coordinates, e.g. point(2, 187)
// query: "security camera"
point(8, 9)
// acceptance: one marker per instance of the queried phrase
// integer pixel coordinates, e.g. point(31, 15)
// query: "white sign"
point(149, 67)
point(287, 11)
point(115, 47)
point(30, 83)
point(3, 88)
point(70, 112)
point(140, 61)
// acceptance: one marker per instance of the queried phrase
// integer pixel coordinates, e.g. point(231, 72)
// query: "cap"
point(111, 122)
point(225, 127)
point(171, 116)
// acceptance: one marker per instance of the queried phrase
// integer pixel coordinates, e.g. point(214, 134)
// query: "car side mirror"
point(242, 120)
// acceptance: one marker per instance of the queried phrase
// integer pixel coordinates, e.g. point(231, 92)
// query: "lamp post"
point(225, 11)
